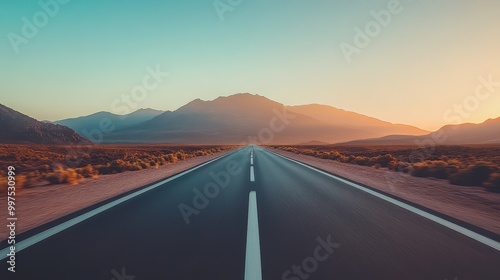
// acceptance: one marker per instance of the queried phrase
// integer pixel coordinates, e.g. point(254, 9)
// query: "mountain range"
point(484, 133)
point(18, 128)
point(90, 122)
point(338, 117)
point(243, 118)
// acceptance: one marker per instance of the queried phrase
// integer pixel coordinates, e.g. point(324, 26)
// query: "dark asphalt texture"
point(299, 209)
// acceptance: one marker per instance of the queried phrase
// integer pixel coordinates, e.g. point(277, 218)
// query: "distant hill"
point(338, 117)
point(18, 128)
point(487, 132)
point(93, 121)
point(242, 117)
point(313, 143)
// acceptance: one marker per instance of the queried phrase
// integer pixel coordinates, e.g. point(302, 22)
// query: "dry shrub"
point(70, 176)
point(172, 158)
point(3, 184)
point(21, 181)
point(180, 155)
point(475, 175)
point(37, 162)
point(386, 160)
point(366, 161)
point(438, 169)
point(119, 166)
point(402, 166)
point(344, 159)
point(144, 165)
point(88, 172)
point(63, 176)
point(334, 155)
point(493, 183)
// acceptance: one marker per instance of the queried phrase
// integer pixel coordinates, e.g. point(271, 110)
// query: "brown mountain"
point(226, 120)
point(244, 118)
point(487, 132)
point(18, 128)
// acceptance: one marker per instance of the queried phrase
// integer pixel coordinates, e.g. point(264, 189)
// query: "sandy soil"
point(39, 205)
point(473, 205)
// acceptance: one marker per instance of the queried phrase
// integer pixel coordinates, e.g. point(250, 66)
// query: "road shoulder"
point(40, 205)
point(471, 205)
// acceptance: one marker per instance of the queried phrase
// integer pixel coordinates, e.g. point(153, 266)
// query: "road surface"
point(253, 215)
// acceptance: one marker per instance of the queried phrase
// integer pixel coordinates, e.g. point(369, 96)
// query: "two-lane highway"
point(255, 214)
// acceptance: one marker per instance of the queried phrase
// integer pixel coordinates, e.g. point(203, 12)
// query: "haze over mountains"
point(245, 118)
point(338, 117)
point(17, 128)
point(485, 133)
point(90, 122)
point(237, 119)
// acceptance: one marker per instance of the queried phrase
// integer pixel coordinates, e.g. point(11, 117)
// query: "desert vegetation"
point(42, 165)
point(460, 165)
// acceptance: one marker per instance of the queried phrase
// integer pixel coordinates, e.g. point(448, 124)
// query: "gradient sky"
point(92, 52)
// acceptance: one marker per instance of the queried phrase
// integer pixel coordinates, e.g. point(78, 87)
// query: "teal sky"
point(90, 53)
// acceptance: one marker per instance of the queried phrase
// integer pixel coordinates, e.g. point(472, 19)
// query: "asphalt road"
point(253, 215)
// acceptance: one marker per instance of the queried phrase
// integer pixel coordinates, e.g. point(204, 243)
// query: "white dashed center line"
point(253, 270)
point(252, 175)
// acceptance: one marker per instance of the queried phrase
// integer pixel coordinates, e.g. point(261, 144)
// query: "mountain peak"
point(147, 111)
point(236, 103)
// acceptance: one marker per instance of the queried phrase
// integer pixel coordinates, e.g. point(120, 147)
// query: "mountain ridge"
point(239, 117)
point(18, 128)
point(244, 117)
point(93, 121)
point(487, 132)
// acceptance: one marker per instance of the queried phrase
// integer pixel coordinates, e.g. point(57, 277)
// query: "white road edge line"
point(253, 269)
point(251, 160)
point(65, 225)
point(469, 233)
point(252, 174)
